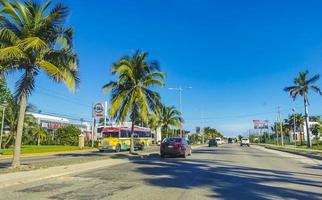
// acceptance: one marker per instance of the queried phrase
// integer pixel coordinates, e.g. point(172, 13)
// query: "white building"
point(301, 133)
point(50, 122)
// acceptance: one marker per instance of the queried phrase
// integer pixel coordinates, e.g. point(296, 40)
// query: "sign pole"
point(105, 112)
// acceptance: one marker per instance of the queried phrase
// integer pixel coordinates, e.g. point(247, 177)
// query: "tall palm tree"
point(170, 116)
point(132, 94)
point(302, 86)
point(33, 39)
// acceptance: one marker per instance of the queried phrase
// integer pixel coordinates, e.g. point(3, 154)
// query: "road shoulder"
point(299, 158)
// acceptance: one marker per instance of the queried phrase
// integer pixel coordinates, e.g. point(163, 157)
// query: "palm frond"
point(313, 79)
point(11, 53)
point(8, 8)
point(8, 36)
point(32, 43)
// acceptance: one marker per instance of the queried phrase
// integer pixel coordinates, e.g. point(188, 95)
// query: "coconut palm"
point(170, 117)
point(132, 94)
point(302, 86)
point(33, 39)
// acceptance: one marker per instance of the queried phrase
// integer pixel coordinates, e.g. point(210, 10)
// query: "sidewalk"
point(312, 153)
point(40, 174)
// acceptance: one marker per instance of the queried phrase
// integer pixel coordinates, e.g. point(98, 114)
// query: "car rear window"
point(170, 140)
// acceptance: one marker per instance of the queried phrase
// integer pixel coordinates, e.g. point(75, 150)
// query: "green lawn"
point(30, 149)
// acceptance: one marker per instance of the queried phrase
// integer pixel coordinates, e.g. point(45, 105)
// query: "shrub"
point(68, 135)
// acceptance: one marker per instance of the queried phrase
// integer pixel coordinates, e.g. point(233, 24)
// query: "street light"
point(180, 89)
point(2, 122)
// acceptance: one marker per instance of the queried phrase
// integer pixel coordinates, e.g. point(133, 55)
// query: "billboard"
point(260, 124)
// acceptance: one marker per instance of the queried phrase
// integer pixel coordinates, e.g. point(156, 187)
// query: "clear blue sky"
point(237, 55)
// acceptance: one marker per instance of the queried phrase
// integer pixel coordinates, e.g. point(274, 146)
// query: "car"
point(175, 146)
point(219, 141)
point(244, 141)
point(212, 143)
point(230, 140)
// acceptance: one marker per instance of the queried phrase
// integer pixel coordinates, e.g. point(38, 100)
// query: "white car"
point(244, 141)
point(218, 141)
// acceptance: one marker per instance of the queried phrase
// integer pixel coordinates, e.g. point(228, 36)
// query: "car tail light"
point(177, 144)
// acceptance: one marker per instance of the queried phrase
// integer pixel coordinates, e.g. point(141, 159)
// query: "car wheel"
point(190, 152)
point(118, 148)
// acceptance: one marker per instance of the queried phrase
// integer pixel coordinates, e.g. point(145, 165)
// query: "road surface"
point(226, 172)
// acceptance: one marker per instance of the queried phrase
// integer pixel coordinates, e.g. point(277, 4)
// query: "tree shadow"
point(227, 181)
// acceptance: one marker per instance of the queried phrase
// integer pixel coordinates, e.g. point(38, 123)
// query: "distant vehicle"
point(219, 141)
point(175, 146)
point(244, 141)
point(212, 143)
point(230, 140)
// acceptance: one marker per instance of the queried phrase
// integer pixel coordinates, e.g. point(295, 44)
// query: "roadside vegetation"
point(35, 149)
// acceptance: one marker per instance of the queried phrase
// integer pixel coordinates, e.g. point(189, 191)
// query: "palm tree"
point(302, 86)
point(132, 94)
point(170, 116)
point(33, 39)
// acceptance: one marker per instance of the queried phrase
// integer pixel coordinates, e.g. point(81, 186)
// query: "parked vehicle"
point(175, 146)
point(212, 143)
point(219, 141)
point(244, 141)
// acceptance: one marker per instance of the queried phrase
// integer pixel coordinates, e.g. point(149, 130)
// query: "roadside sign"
point(99, 110)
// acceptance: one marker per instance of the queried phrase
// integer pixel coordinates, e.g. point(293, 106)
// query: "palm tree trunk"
point(38, 139)
point(16, 155)
point(306, 115)
point(132, 139)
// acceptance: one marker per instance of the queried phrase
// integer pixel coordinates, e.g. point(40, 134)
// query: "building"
point(50, 122)
point(301, 133)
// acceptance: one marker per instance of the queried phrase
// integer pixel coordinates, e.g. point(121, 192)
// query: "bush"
point(68, 135)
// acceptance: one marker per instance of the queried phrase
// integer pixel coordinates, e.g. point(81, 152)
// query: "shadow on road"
point(225, 180)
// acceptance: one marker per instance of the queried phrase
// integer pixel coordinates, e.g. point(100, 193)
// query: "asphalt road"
point(226, 172)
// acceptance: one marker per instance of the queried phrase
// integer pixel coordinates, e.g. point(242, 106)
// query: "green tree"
point(68, 135)
point(170, 117)
point(302, 86)
point(211, 133)
point(132, 94)
point(34, 39)
point(316, 129)
point(5, 94)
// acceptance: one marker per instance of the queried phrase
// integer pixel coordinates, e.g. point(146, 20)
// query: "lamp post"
point(180, 89)
point(2, 122)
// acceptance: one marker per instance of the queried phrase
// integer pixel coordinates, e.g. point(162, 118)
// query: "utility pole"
point(276, 132)
point(294, 127)
point(180, 89)
point(280, 123)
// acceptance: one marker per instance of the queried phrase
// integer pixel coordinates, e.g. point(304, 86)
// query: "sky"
point(236, 55)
